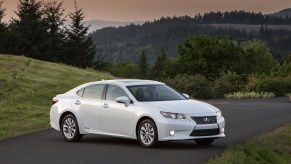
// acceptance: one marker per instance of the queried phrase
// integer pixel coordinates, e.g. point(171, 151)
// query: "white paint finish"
point(185, 107)
point(117, 119)
point(89, 113)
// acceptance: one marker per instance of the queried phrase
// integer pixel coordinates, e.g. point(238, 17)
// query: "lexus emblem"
point(206, 119)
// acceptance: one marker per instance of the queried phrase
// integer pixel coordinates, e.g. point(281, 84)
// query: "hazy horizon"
point(137, 10)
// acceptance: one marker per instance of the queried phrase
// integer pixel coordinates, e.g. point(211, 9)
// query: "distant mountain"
point(283, 13)
point(124, 44)
point(99, 24)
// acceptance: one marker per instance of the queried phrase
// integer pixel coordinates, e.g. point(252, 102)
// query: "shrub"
point(196, 86)
point(244, 95)
point(125, 70)
point(228, 82)
point(278, 85)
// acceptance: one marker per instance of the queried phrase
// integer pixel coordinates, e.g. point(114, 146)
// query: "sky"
point(143, 10)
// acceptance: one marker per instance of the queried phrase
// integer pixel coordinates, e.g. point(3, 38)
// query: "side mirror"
point(123, 99)
point(186, 95)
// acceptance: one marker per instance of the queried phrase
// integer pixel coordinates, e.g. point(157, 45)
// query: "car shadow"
point(171, 145)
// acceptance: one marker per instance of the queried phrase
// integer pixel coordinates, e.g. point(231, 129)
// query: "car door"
point(89, 104)
point(116, 118)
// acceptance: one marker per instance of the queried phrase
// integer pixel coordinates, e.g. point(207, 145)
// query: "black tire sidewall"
point(155, 141)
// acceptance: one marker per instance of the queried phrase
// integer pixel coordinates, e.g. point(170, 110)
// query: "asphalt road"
point(244, 119)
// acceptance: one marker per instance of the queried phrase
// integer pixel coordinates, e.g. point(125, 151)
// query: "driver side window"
point(113, 92)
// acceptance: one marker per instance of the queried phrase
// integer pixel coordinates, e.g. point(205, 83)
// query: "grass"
point(271, 147)
point(27, 87)
point(245, 95)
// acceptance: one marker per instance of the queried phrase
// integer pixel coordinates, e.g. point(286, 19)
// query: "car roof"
point(120, 82)
point(129, 82)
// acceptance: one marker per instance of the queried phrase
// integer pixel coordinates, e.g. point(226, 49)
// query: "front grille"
point(205, 132)
point(205, 120)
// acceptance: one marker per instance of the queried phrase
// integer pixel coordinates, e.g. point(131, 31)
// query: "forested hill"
point(283, 13)
point(126, 43)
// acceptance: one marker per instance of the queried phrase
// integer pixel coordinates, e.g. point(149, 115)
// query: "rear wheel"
point(70, 129)
point(204, 141)
point(147, 133)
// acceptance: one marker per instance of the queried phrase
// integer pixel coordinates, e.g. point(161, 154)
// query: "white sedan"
point(148, 111)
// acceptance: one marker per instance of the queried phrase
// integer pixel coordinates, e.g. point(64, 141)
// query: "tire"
point(147, 134)
point(204, 141)
point(70, 129)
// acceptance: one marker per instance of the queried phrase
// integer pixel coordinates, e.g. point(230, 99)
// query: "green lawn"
point(272, 147)
point(27, 87)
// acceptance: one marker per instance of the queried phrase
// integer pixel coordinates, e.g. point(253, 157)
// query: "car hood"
point(189, 107)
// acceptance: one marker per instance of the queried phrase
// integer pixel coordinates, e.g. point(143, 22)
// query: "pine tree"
point(80, 49)
point(53, 15)
point(99, 61)
point(2, 13)
point(143, 64)
point(29, 30)
point(3, 31)
point(158, 69)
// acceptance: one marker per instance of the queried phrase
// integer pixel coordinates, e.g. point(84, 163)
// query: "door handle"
point(105, 106)
point(77, 102)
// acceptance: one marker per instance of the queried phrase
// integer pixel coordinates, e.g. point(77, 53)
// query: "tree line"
point(123, 44)
point(204, 55)
point(210, 67)
point(241, 17)
point(38, 31)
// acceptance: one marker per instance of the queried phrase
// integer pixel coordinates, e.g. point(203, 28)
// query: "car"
point(149, 111)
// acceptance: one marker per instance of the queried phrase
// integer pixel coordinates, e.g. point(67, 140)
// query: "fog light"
point(172, 133)
point(222, 129)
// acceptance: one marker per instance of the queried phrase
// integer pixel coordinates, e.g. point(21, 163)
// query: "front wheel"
point(147, 133)
point(204, 141)
point(70, 129)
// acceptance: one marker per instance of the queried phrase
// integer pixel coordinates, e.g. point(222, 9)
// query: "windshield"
point(154, 93)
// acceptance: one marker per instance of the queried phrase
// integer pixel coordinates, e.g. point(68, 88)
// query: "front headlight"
point(177, 116)
point(218, 114)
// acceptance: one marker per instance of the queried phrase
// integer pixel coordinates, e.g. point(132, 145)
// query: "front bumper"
point(183, 129)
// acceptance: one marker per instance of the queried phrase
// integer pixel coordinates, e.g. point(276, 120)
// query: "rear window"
point(80, 92)
point(94, 91)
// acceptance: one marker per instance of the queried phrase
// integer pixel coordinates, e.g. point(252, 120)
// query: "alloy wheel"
point(147, 133)
point(69, 128)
